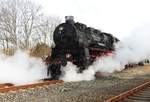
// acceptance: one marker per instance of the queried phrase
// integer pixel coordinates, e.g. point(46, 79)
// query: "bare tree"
point(30, 14)
point(46, 29)
point(8, 14)
point(22, 24)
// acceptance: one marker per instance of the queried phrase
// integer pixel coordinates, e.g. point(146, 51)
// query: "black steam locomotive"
point(79, 44)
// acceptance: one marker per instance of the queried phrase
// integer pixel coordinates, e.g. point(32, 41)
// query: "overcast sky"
point(119, 17)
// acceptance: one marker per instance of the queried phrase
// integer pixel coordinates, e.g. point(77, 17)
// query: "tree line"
point(23, 25)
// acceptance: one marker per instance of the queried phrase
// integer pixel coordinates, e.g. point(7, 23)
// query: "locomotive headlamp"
point(61, 28)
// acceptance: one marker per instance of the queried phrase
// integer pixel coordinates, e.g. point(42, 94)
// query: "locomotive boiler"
point(79, 44)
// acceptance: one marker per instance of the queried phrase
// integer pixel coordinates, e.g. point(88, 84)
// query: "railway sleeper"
point(131, 100)
point(139, 98)
point(143, 95)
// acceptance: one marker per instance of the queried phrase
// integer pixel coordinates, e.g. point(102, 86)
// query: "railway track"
point(140, 93)
point(142, 96)
point(6, 87)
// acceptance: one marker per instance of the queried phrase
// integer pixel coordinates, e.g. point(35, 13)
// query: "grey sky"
point(118, 17)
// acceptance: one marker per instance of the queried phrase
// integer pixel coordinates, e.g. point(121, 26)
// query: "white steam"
point(70, 73)
point(21, 69)
point(132, 49)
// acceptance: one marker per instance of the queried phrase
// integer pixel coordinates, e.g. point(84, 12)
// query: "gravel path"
point(86, 91)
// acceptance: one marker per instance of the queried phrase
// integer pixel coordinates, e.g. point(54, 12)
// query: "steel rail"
point(10, 87)
point(126, 94)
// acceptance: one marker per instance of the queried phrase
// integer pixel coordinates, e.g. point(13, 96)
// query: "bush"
point(40, 50)
point(9, 51)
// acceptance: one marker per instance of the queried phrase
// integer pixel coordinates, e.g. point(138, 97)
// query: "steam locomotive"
point(79, 44)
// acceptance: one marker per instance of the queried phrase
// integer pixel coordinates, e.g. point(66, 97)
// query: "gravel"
point(85, 91)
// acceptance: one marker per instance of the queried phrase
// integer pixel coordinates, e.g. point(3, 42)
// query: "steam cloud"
point(132, 49)
point(21, 69)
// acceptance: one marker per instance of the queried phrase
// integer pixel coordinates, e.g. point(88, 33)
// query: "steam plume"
point(21, 69)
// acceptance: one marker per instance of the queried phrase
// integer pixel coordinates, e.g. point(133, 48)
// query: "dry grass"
point(133, 72)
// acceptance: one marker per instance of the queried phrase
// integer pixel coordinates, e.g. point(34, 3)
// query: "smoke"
point(137, 45)
point(132, 49)
point(21, 69)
